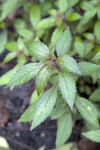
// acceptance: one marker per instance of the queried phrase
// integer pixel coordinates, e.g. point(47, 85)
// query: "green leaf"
point(45, 23)
point(44, 106)
point(3, 40)
point(86, 68)
point(97, 30)
point(64, 129)
point(63, 5)
point(58, 112)
point(87, 110)
point(67, 88)
point(98, 12)
point(34, 97)
point(68, 63)
point(38, 48)
point(42, 78)
point(42, 148)
point(25, 73)
point(25, 33)
point(57, 32)
point(9, 57)
point(85, 21)
point(21, 60)
point(93, 135)
point(28, 115)
point(20, 44)
point(88, 36)
point(11, 46)
point(73, 2)
point(79, 46)
point(67, 146)
point(8, 6)
point(97, 56)
point(64, 42)
point(95, 96)
point(86, 5)
point(19, 24)
point(88, 47)
point(74, 16)
point(35, 15)
point(4, 79)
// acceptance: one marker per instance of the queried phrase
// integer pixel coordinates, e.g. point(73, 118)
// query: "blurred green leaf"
point(3, 40)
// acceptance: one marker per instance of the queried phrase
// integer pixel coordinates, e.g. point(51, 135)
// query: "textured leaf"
point(93, 135)
point(35, 15)
point(25, 73)
point(74, 16)
point(97, 30)
point(67, 88)
point(42, 78)
point(79, 46)
point(38, 48)
point(87, 110)
point(64, 129)
point(63, 5)
point(86, 68)
point(95, 96)
point(28, 114)
point(9, 57)
point(97, 56)
point(44, 106)
point(64, 42)
point(3, 40)
point(68, 63)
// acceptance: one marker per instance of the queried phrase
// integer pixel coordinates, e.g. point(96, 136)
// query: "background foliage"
point(69, 62)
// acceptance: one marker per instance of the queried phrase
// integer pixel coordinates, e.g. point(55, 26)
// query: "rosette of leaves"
point(60, 100)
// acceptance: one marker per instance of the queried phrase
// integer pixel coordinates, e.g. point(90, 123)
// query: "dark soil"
point(18, 135)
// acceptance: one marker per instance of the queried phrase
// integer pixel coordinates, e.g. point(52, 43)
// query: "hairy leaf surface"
point(67, 88)
point(44, 106)
point(64, 42)
point(38, 48)
point(68, 63)
point(25, 73)
point(42, 78)
point(87, 110)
